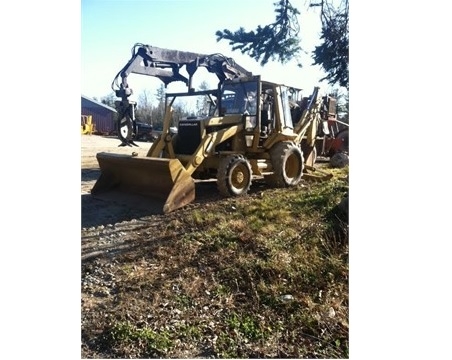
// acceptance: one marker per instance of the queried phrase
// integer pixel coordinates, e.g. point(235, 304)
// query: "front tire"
point(234, 176)
point(287, 161)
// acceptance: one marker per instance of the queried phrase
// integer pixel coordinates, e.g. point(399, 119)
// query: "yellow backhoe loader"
point(250, 128)
point(87, 126)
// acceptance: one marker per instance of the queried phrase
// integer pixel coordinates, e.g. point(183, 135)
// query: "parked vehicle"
point(143, 132)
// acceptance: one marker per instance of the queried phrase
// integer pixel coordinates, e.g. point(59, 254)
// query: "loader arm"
point(209, 143)
point(162, 141)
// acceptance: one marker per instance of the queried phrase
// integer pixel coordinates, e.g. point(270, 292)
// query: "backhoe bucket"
point(138, 180)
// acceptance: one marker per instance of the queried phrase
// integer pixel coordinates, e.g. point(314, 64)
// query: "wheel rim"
point(240, 177)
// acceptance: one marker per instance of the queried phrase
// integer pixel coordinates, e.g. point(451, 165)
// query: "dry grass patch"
point(260, 276)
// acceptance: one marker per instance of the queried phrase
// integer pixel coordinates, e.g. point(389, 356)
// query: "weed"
point(124, 334)
point(247, 325)
point(184, 301)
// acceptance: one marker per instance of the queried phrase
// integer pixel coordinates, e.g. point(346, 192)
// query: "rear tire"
point(287, 161)
point(234, 176)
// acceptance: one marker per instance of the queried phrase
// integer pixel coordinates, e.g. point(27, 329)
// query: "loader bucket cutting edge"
point(149, 178)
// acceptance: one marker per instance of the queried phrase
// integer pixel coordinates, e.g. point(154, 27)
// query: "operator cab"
point(239, 98)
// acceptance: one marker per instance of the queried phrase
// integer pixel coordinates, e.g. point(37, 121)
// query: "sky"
point(110, 28)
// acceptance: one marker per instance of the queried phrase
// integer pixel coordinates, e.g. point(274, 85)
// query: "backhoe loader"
point(251, 128)
point(87, 125)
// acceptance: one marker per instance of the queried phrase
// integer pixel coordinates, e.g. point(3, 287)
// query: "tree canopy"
point(280, 40)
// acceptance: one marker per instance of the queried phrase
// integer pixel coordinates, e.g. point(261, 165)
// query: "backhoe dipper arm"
point(309, 115)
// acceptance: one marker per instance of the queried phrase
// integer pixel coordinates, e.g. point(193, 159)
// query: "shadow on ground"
point(98, 211)
point(103, 210)
point(90, 174)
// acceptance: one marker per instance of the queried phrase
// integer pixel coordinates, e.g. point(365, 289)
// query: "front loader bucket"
point(126, 177)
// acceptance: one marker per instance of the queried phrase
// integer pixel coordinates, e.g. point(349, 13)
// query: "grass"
point(259, 276)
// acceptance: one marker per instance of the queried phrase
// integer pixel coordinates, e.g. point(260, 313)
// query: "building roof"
point(98, 103)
